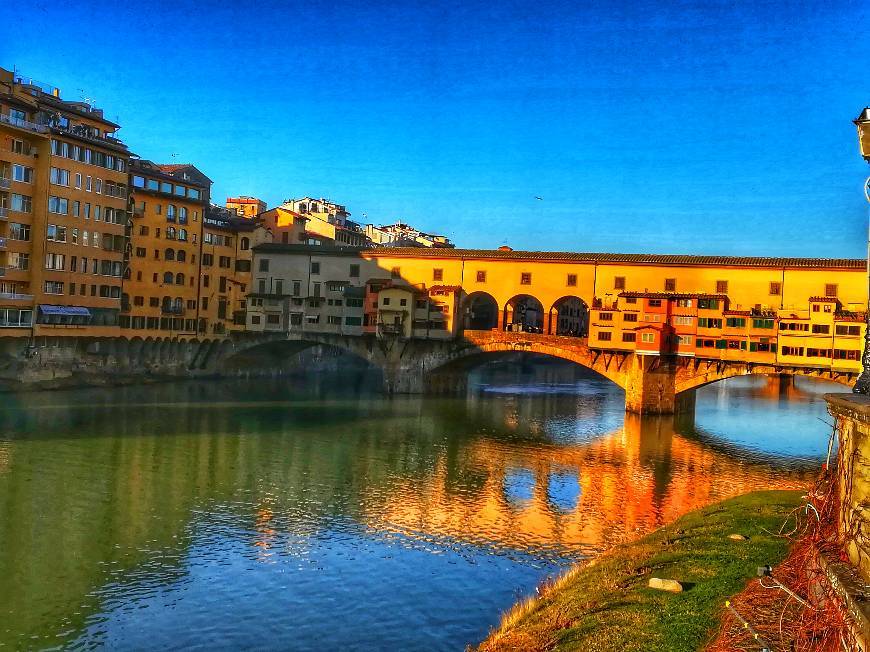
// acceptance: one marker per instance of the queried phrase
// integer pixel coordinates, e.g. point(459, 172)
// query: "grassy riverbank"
point(606, 605)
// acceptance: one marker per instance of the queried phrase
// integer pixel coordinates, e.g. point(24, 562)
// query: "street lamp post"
point(863, 124)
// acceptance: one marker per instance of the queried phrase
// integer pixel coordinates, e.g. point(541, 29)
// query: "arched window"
point(166, 303)
point(179, 279)
point(182, 235)
point(181, 256)
point(178, 304)
point(171, 233)
point(245, 244)
point(182, 215)
point(170, 213)
point(169, 254)
point(168, 278)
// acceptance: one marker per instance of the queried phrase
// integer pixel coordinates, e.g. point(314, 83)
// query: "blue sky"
point(685, 127)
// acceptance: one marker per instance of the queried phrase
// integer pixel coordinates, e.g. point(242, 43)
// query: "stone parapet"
point(852, 415)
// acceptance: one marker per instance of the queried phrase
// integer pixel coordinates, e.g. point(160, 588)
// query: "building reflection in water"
point(579, 498)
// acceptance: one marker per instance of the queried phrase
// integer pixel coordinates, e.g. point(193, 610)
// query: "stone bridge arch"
point(449, 371)
point(697, 373)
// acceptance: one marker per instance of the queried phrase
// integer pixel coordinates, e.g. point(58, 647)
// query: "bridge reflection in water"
point(582, 498)
point(132, 493)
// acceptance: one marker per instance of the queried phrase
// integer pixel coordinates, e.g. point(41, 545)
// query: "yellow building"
point(63, 214)
point(160, 295)
point(327, 222)
point(225, 274)
point(245, 206)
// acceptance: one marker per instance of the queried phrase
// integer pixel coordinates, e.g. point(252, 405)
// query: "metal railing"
point(16, 296)
point(172, 310)
point(4, 212)
point(23, 124)
point(5, 183)
point(29, 151)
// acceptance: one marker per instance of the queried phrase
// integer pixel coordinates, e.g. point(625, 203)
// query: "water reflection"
point(227, 515)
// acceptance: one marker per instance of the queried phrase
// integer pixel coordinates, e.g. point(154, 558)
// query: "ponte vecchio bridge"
point(657, 326)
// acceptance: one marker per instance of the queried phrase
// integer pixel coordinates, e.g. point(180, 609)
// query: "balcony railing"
point(23, 124)
point(6, 296)
point(4, 212)
point(85, 132)
point(2, 243)
point(393, 329)
point(120, 193)
point(28, 150)
point(172, 310)
point(5, 183)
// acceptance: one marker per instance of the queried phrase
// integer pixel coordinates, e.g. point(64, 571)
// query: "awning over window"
point(73, 311)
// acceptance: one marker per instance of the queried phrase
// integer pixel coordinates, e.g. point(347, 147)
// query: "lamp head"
point(863, 124)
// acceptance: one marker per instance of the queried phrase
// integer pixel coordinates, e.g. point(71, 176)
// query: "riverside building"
point(245, 206)
point(63, 213)
point(790, 311)
point(161, 291)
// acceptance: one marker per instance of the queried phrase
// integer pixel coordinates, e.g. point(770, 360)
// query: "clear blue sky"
point(686, 127)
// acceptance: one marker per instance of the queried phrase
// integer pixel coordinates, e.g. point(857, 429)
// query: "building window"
point(721, 287)
point(831, 289)
point(629, 317)
point(572, 280)
point(315, 268)
point(437, 274)
point(245, 244)
point(526, 278)
point(670, 286)
point(618, 282)
point(58, 205)
point(481, 276)
point(395, 273)
point(775, 289)
point(21, 203)
point(648, 337)
point(263, 266)
point(604, 336)
point(354, 271)
point(629, 337)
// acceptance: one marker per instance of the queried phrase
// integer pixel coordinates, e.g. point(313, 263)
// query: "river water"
point(311, 513)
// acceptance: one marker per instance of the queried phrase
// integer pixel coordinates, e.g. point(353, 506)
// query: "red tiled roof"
point(638, 259)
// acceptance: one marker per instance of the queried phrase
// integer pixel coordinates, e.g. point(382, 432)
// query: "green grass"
point(607, 606)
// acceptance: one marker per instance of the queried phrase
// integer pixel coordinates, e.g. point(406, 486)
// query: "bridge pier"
point(780, 383)
point(650, 385)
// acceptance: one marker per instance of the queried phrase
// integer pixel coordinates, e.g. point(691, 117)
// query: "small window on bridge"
point(526, 278)
point(481, 276)
point(619, 283)
point(831, 289)
point(721, 287)
point(437, 274)
point(572, 280)
point(670, 285)
point(604, 336)
point(775, 289)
